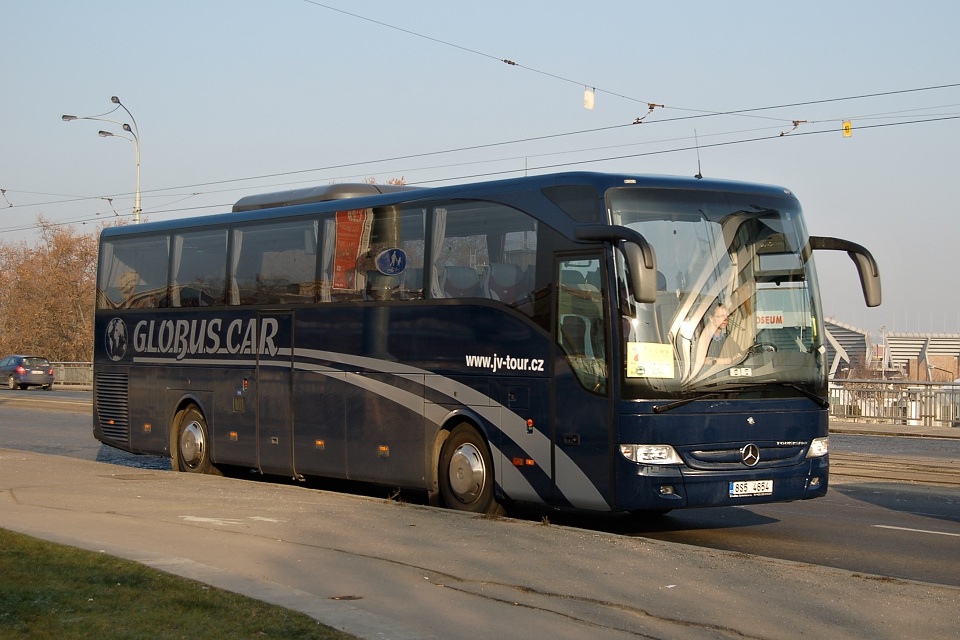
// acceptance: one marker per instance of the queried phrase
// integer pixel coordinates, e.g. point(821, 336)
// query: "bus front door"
point(580, 386)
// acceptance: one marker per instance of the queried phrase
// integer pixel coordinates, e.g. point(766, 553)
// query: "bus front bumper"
point(666, 487)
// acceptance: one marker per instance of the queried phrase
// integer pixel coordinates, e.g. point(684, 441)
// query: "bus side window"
point(483, 250)
point(275, 263)
point(391, 256)
point(200, 264)
point(132, 273)
point(460, 282)
point(507, 283)
point(581, 321)
point(411, 284)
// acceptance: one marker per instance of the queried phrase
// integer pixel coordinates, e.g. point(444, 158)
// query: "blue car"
point(26, 371)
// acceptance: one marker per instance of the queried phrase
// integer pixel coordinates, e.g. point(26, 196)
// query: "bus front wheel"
point(466, 473)
point(193, 443)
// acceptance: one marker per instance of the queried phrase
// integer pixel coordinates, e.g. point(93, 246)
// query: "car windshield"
point(735, 302)
point(36, 362)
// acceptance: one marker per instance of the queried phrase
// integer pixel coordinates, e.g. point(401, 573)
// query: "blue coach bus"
point(581, 340)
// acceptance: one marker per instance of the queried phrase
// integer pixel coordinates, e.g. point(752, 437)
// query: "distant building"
point(848, 348)
point(927, 357)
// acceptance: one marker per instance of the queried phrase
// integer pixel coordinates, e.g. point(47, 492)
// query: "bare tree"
point(47, 294)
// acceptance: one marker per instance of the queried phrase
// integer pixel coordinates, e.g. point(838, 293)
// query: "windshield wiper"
point(822, 402)
point(670, 406)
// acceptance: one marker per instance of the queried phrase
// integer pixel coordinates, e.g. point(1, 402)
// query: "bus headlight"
point(819, 447)
point(650, 453)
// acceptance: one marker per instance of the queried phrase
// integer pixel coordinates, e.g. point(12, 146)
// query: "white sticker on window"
point(649, 360)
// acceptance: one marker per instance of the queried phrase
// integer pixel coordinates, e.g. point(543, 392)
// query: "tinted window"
point(580, 202)
point(133, 273)
point(199, 266)
point(372, 254)
point(484, 250)
point(274, 263)
point(581, 321)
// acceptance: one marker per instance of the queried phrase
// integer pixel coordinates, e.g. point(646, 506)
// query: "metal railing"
point(76, 375)
point(926, 404)
point(912, 403)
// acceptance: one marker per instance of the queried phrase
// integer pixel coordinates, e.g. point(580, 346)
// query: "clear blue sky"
point(224, 92)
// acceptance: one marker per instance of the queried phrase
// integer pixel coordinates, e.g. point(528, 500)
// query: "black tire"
point(47, 387)
point(193, 443)
point(11, 383)
point(465, 473)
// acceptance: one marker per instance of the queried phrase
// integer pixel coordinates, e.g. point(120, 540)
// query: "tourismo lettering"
point(206, 337)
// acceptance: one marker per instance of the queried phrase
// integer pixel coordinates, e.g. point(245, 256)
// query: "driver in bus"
point(721, 348)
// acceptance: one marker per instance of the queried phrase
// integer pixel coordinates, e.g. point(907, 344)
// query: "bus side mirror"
point(643, 270)
point(866, 265)
point(639, 254)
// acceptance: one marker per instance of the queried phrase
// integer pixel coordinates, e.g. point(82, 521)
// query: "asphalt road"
point(930, 448)
point(900, 526)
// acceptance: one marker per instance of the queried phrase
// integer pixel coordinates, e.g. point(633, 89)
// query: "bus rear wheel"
point(466, 473)
point(193, 443)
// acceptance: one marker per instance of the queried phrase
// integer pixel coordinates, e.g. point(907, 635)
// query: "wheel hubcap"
point(467, 473)
point(192, 444)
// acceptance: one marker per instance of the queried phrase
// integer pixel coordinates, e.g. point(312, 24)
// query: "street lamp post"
point(134, 131)
point(136, 146)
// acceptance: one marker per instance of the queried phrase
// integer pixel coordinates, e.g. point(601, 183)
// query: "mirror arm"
point(866, 265)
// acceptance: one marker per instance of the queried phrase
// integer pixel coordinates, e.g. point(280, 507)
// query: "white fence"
point(914, 403)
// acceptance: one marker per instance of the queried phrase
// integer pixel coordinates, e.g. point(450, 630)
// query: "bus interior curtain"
point(235, 262)
point(176, 257)
point(439, 236)
point(329, 250)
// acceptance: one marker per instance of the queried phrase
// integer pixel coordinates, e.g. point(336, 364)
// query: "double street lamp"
point(134, 131)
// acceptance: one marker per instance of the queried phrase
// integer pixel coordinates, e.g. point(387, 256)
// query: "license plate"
point(751, 488)
point(37, 372)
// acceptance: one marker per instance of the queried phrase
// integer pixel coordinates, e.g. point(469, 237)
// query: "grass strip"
point(54, 591)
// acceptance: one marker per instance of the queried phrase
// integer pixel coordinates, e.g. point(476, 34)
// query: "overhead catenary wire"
point(546, 167)
point(486, 174)
point(647, 119)
point(651, 106)
point(477, 147)
point(691, 148)
point(700, 113)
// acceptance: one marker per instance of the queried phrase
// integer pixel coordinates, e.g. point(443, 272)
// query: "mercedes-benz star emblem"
point(750, 454)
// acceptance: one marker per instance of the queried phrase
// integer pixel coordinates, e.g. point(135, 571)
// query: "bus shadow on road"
point(631, 524)
point(929, 501)
point(111, 455)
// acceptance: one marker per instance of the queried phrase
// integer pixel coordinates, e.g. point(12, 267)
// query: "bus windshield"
point(736, 307)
